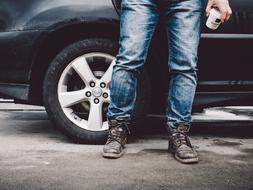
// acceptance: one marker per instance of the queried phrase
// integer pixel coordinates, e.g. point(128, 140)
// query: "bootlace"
point(180, 139)
point(115, 135)
point(117, 132)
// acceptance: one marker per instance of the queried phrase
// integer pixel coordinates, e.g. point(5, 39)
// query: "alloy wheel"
point(83, 90)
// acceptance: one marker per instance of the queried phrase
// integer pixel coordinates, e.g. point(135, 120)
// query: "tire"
point(69, 98)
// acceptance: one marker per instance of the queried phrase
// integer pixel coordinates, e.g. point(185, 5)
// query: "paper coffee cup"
point(214, 19)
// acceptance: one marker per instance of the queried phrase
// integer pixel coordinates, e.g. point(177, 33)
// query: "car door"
point(225, 54)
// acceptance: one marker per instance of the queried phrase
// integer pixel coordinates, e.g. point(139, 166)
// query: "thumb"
point(208, 8)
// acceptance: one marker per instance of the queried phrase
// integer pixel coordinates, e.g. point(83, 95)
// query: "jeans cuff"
point(120, 119)
point(174, 125)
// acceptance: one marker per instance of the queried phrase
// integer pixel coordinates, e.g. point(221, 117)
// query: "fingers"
point(222, 6)
point(223, 12)
point(229, 13)
point(208, 8)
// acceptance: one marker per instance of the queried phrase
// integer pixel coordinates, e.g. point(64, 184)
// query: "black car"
point(59, 53)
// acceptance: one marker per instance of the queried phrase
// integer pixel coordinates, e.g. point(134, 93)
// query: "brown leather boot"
point(117, 138)
point(180, 145)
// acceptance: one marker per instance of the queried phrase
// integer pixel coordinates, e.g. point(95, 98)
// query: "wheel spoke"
point(82, 68)
point(68, 99)
point(95, 116)
point(106, 100)
point(108, 74)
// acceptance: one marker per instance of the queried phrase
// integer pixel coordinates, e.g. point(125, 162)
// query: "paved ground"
point(33, 155)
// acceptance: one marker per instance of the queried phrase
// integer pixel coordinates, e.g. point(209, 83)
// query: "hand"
point(223, 7)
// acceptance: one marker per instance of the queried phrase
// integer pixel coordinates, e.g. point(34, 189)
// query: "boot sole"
point(112, 155)
point(184, 161)
point(187, 161)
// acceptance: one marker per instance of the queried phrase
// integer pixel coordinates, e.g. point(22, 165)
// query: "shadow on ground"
point(141, 128)
point(34, 155)
point(240, 129)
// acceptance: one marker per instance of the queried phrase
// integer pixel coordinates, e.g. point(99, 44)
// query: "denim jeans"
point(137, 25)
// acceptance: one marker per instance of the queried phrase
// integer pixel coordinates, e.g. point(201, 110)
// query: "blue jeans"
point(137, 25)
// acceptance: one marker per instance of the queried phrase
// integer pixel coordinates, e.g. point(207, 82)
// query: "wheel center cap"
point(97, 92)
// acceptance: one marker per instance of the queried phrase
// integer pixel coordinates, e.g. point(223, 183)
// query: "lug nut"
point(102, 85)
point(92, 84)
point(88, 94)
point(96, 100)
point(105, 95)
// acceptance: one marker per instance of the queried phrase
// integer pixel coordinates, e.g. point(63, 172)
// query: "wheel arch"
point(56, 40)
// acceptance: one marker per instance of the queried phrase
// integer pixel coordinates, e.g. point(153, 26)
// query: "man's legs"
point(183, 26)
point(138, 21)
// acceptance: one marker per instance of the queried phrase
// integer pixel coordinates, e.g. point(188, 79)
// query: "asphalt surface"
point(34, 155)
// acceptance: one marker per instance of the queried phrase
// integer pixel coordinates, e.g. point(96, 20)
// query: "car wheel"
point(76, 89)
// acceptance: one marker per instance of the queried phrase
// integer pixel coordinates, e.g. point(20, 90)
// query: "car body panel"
point(46, 14)
point(16, 52)
point(24, 23)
